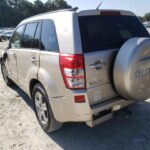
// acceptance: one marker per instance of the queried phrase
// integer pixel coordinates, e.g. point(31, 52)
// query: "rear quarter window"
point(49, 40)
point(108, 32)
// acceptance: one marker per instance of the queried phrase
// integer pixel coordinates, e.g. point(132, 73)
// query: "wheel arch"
point(32, 83)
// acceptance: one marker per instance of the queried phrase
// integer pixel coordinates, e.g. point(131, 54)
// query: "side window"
point(16, 38)
point(49, 38)
point(29, 35)
point(36, 42)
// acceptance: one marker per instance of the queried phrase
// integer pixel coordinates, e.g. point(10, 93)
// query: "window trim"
point(39, 23)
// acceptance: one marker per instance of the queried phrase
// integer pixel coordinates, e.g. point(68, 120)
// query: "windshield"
point(108, 32)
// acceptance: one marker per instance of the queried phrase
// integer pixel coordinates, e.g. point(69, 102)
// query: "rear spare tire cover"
point(132, 69)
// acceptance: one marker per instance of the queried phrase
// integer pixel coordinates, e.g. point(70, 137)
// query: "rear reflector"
point(73, 70)
point(110, 13)
point(79, 99)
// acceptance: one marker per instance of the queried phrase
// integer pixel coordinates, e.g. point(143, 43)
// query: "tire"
point(43, 110)
point(5, 75)
point(132, 69)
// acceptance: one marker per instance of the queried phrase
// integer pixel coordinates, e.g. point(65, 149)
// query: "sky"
point(139, 7)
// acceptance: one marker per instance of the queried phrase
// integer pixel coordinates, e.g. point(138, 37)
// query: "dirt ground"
point(19, 129)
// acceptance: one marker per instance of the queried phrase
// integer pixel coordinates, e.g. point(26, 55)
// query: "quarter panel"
point(49, 74)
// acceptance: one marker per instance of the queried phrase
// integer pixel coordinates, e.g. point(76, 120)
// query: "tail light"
point(73, 70)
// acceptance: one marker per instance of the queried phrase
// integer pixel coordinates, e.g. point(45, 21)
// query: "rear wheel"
point(43, 110)
point(5, 75)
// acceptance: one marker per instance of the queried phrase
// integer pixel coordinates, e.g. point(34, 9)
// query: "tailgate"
point(98, 68)
point(102, 35)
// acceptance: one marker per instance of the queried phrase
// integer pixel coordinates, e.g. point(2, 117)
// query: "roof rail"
point(60, 10)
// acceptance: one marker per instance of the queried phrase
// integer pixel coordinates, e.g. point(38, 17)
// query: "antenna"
point(99, 5)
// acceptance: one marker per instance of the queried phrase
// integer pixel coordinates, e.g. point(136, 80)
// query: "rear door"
point(102, 36)
point(28, 55)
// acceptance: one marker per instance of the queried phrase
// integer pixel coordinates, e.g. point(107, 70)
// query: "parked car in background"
point(81, 69)
point(7, 34)
point(1, 35)
point(146, 24)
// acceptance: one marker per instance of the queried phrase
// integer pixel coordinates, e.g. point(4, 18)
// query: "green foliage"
point(146, 17)
point(13, 11)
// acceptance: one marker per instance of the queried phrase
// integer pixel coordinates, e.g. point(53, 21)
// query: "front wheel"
point(43, 110)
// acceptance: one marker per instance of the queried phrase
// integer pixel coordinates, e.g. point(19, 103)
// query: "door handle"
point(98, 65)
point(13, 54)
point(33, 60)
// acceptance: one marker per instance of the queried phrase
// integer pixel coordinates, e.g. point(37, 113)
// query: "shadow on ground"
point(119, 133)
point(24, 96)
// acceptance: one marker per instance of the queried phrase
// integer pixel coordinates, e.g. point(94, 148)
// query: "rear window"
point(108, 32)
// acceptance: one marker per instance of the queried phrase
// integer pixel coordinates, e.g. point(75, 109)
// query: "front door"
point(14, 47)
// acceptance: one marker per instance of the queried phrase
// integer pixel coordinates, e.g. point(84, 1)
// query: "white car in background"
point(7, 34)
point(1, 35)
point(147, 24)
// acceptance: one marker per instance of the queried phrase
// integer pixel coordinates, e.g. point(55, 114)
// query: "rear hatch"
point(102, 35)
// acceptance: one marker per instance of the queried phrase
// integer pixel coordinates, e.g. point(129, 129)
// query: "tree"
point(141, 18)
point(147, 17)
point(61, 4)
point(38, 7)
point(13, 11)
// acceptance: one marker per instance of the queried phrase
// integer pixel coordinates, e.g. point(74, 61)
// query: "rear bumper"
point(66, 110)
point(109, 106)
point(118, 103)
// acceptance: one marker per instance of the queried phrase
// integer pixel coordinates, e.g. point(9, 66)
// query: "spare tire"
point(132, 69)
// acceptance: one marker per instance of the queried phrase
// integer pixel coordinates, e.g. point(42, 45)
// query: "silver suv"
point(79, 66)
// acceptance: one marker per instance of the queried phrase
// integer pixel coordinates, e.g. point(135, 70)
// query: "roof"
point(74, 10)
